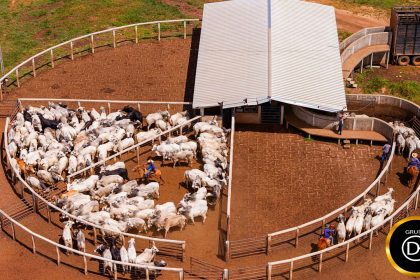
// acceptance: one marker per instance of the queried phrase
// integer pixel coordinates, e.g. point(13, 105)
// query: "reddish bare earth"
point(275, 173)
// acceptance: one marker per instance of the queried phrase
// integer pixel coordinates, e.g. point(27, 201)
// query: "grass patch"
point(342, 35)
point(32, 26)
point(384, 4)
point(375, 84)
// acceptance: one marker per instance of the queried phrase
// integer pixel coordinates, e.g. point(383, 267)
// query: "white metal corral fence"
point(51, 56)
point(173, 248)
point(82, 260)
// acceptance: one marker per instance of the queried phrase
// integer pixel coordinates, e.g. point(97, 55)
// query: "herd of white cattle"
point(366, 216)
point(405, 137)
point(47, 144)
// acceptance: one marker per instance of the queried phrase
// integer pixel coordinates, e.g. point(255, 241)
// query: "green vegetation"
point(31, 26)
point(384, 4)
point(376, 84)
point(342, 35)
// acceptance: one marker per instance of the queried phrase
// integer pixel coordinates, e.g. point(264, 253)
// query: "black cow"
point(48, 123)
point(119, 171)
point(132, 114)
point(26, 116)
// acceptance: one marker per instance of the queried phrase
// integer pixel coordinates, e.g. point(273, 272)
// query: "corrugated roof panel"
point(234, 52)
point(306, 64)
point(232, 59)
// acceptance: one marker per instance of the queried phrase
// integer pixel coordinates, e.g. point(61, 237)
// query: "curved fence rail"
point(365, 31)
point(277, 240)
point(373, 39)
point(315, 260)
point(175, 248)
point(51, 56)
point(85, 258)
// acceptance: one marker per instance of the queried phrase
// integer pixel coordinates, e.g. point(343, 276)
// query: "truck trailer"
point(405, 26)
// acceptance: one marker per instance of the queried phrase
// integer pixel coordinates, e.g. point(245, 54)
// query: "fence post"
point(33, 67)
point(390, 223)
point(370, 240)
point(183, 251)
point(33, 244)
point(138, 155)
point(269, 269)
point(291, 271)
point(92, 46)
point(378, 187)
point(185, 29)
point(147, 274)
point(94, 236)
point(268, 245)
point(17, 77)
point(113, 39)
point(109, 108)
point(297, 237)
point(115, 271)
point(181, 275)
point(225, 275)
point(347, 251)
point(85, 263)
point(137, 34)
point(58, 255)
point(71, 51)
point(158, 31)
point(52, 58)
point(13, 230)
point(1, 222)
point(320, 263)
point(417, 201)
point(227, 253)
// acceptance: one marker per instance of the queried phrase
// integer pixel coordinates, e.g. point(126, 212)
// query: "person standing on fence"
point(340, 123)
point(386, 151)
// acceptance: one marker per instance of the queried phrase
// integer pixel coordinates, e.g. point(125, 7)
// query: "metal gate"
point(203, 270)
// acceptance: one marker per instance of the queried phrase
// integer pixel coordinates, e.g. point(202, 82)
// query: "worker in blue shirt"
point(386, 150)
point(414, 161)
point(150, 168)
point(328, 233)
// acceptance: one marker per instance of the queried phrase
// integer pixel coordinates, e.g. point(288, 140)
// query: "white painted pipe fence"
point(91, 37)
point(38, 198)
point(229, 196)
point(86, 256)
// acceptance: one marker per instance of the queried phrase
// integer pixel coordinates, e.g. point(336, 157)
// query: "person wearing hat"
point(386, 151)
point(328, 233)
point(414, 161)
point(150, 168)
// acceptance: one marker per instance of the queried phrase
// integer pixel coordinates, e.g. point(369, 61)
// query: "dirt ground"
point(111, 75)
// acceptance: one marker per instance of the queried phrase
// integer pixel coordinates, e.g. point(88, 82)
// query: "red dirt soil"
point(166, 64)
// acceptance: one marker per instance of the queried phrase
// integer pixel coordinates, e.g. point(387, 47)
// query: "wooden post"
point(347, 252)
point(269, 269)
point(113, 39)
point(268, 245)
point(49, 214)
point(227, 251)
point(92, 44)
point(297, 237)
point(137, 35)
point(17, 77)
point(158, 31)
point(370, 240)
point(33, 244)
point(109, 108)
point(71, 51)
point(320, 263)
point(185, 29)
point(33, 67)
point(94, 236)
point(138, 154)
point(13, 230)
point(52, 57)
point(85, 263)
point(183, 252)
point(291, 271)
point(58, 255)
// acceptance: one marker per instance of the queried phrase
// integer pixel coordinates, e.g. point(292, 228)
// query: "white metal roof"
point(254, 50)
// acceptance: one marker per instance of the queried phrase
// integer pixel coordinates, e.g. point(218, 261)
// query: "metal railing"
point(90, 45)
point(365, 31)
point(285, 267)
point(179, 250)
point(137, 146)
point(265, 244)
point(85, 256)
point(229, 196)
point(363, 42)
